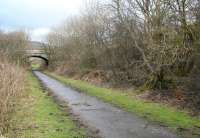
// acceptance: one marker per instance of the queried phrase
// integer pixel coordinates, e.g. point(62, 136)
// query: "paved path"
point(111, 122)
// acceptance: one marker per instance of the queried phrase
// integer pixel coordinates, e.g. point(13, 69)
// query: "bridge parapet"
point(37, 54)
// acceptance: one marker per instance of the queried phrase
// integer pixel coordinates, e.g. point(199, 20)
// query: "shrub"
point(11, 86)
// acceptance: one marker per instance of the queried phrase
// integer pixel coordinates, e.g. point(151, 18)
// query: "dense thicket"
point(12, 75)
point(137, 42)
point(13, 45)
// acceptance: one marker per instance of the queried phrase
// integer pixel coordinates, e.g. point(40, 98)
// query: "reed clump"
point(12, 84)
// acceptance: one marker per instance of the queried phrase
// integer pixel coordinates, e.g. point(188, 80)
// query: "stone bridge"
point(36, 50)
point(38, 54)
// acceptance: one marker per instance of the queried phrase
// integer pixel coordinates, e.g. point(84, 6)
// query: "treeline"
point(12, 75)
point(13, 44)
point(155, 43)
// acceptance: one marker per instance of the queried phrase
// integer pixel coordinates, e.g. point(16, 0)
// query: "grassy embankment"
point(153, 111)
point(38, 116)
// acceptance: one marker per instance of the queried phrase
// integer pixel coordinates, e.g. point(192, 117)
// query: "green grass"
point(39, 117)
point(35, 66)
point(153, 111)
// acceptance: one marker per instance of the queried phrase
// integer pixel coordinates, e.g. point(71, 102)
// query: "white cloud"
point(37, 13)
point(37, 16)
point(39, 34)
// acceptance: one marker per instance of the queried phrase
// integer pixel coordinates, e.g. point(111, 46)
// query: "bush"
point(11, 86)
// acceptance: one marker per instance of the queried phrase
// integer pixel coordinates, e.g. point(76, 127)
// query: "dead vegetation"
point(12, 79)
point(151, 43)
point(12, 75)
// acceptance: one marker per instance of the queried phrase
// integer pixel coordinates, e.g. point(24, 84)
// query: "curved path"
point(111, 122)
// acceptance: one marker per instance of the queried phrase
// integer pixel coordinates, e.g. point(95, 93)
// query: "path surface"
point(111, 122)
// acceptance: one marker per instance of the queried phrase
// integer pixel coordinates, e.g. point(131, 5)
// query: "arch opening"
point(41, 57)
point(38, 62)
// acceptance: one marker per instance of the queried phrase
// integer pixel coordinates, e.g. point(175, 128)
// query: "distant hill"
point(36, 45)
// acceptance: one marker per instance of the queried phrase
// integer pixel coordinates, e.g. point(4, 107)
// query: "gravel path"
point(111, 122)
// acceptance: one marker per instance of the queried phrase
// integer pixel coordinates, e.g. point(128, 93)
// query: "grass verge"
point(39, 117)
point(35, 66)
point(166, 115)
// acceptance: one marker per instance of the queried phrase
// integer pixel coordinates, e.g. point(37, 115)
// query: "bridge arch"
point(37, 50)
point(41, 57)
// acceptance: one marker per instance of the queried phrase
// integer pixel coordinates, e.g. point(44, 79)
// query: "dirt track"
point(111, 122)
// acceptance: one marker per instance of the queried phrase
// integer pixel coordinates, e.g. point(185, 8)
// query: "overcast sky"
point(37, 16)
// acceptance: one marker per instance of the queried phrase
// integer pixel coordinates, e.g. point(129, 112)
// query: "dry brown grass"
point(12, 79)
